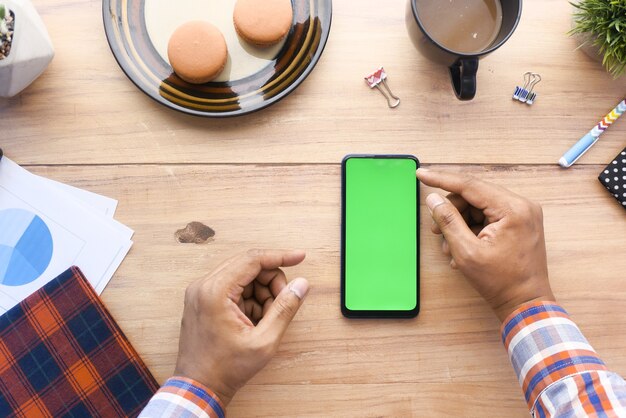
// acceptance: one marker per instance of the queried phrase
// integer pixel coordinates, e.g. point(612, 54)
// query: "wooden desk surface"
point(272, 179)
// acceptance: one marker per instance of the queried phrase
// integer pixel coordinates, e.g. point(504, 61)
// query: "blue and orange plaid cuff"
point(183, 397)
point(545, 346)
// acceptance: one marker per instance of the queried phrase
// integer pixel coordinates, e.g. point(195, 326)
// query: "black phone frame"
point(377, 314)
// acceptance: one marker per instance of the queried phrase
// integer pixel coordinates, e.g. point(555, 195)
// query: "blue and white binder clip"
point(526, 94)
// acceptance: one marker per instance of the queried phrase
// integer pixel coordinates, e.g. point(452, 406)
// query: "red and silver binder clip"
point(375, 80)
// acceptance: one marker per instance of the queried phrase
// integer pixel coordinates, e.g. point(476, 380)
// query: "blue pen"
point(587, 141)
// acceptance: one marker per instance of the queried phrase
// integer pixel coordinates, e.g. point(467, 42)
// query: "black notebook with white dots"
point(614, 178)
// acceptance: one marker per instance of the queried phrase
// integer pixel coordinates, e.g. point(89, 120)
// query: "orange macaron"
point(263, 22)
point(197, 51)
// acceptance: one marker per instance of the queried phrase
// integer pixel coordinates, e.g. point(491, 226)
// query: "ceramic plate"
point(254, 78)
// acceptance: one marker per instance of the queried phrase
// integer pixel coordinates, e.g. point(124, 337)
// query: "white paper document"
point(103, 204)
point(47, 227)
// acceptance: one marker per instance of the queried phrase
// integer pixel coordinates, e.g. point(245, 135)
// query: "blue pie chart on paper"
point(25, 247)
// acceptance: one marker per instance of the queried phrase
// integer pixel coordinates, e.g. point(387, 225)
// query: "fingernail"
point(433, 200)
point(299, 287)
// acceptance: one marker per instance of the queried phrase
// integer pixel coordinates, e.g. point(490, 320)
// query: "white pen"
point(587, 141)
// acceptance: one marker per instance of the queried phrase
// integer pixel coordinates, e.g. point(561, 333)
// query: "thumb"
point(447, 217)
point(283, 309)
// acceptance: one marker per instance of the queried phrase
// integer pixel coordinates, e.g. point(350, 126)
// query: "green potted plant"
point(25, 47)
point(601, 27)
point(7, 28)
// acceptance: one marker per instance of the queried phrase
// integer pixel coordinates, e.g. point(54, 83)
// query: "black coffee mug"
point(463, 67)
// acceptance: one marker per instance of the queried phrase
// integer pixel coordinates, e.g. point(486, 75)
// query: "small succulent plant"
point(7, 25)
point(603, 22)
point(4, 28)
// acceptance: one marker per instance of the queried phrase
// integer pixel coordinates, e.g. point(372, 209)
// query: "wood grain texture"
point(272, 179)
point(84, 99)
point(447, 362)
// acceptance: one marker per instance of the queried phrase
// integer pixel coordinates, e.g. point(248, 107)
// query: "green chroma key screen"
point(380, 236)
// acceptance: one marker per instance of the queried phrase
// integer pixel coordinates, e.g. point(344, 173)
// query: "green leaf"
point(2, 11)
point(604, 22)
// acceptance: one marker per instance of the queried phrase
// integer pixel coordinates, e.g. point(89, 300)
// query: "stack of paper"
point(47, 227)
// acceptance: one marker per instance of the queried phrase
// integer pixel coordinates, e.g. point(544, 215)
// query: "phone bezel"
point(349, 313)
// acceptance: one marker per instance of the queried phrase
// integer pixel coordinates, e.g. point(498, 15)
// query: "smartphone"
point(380, 236)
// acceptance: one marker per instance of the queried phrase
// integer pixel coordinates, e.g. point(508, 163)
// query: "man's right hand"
point(235, 317)
point(494, 237)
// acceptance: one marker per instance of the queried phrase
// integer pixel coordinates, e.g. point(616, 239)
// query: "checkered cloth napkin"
point(613, 177)
point(61, 354)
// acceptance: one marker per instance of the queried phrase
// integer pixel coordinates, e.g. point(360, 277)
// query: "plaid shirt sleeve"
point(560, 373)
point(182, 397)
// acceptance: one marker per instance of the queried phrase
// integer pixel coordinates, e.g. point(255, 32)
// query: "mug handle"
point(463, 74)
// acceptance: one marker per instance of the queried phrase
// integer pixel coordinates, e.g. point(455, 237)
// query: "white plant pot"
point(31, 49)
point(585, 43)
